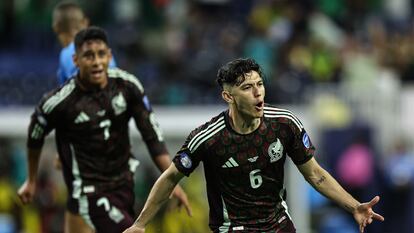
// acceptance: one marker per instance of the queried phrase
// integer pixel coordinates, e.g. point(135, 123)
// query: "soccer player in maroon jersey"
point(68, 19)
point(90, 115)
point(243, 151)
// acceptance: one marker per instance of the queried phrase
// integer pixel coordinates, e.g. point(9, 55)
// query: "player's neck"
point(86, 86)
point(242, 124)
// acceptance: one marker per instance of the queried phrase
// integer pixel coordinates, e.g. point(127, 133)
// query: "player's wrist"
point(354, 207)
point(139, 224)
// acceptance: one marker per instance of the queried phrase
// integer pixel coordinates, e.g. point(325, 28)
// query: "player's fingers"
point(188, 208)
point(369, 221)
point(189, 211)
point(25, 197)
point(378, 217)
point(374, 201)
point(361, 228)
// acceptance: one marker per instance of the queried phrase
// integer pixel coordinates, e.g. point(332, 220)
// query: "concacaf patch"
point(146, 103)
point(306, 140)
point(185, 160)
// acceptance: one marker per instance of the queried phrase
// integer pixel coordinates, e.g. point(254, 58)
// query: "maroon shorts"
point(109, 211)
point(284, 225)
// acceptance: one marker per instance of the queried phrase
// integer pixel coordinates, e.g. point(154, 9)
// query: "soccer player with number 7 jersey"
point(90, 115)
point(243, 150)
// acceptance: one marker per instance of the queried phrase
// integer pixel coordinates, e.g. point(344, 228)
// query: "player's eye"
point(102, 53)
point(88, 55)
point(246, 87)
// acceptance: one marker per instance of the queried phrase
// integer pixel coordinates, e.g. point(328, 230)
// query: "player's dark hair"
point(234, 72)
point(90, 33)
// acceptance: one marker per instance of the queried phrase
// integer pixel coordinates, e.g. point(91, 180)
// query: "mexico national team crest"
point(275, 151)
point(119, 104)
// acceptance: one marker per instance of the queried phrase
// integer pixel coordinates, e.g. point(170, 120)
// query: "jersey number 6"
point(255, 179)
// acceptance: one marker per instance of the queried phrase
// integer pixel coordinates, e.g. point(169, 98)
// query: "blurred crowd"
point(362, 50)
point(175, 47)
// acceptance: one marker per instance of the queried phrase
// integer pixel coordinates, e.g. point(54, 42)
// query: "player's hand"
point(179, 193)
point(364, 214)
point(27, 191)
point(134, 229)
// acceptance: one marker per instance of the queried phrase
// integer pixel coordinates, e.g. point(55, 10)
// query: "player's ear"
point(75, 59)
point(110, 53)
point(226, 95)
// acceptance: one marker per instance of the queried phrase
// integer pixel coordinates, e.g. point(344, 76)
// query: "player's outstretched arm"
point(27, 190)
point(325, 184)
point(163, 162)
point(159, 194)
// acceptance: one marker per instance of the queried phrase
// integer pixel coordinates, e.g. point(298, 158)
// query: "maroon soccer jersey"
point(92, 132)
point(244, 173)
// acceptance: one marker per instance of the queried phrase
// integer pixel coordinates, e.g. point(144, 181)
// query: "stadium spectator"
point(90, 115)
point(244, 150)
point(399, 177)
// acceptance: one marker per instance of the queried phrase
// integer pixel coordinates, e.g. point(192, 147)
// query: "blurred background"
point(345, 67)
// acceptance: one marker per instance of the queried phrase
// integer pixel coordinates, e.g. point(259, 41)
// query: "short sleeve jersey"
point(67, 68)
point(244, 173)
point(92, 129)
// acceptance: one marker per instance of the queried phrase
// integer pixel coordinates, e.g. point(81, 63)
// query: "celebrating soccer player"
point(244, 150)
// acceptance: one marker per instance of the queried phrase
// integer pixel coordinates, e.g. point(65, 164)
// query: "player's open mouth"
point(97, 73)
point(259, 106)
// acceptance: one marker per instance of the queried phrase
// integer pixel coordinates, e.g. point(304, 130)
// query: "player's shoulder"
point(67, 52)
point(206, 131)
point(282, 115)
point(210, 127)
point(124, 76)
point(57, 96)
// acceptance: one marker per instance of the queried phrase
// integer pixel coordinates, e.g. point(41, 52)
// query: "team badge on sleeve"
point(146, 103)
point(185, 160)
point(306, 140)
point(42, 120)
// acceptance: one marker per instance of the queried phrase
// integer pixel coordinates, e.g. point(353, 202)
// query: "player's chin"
point(97, 78)
point(257, 114)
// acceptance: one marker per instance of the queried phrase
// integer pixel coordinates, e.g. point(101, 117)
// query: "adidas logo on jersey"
point(82, 117)
point(230, 163)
